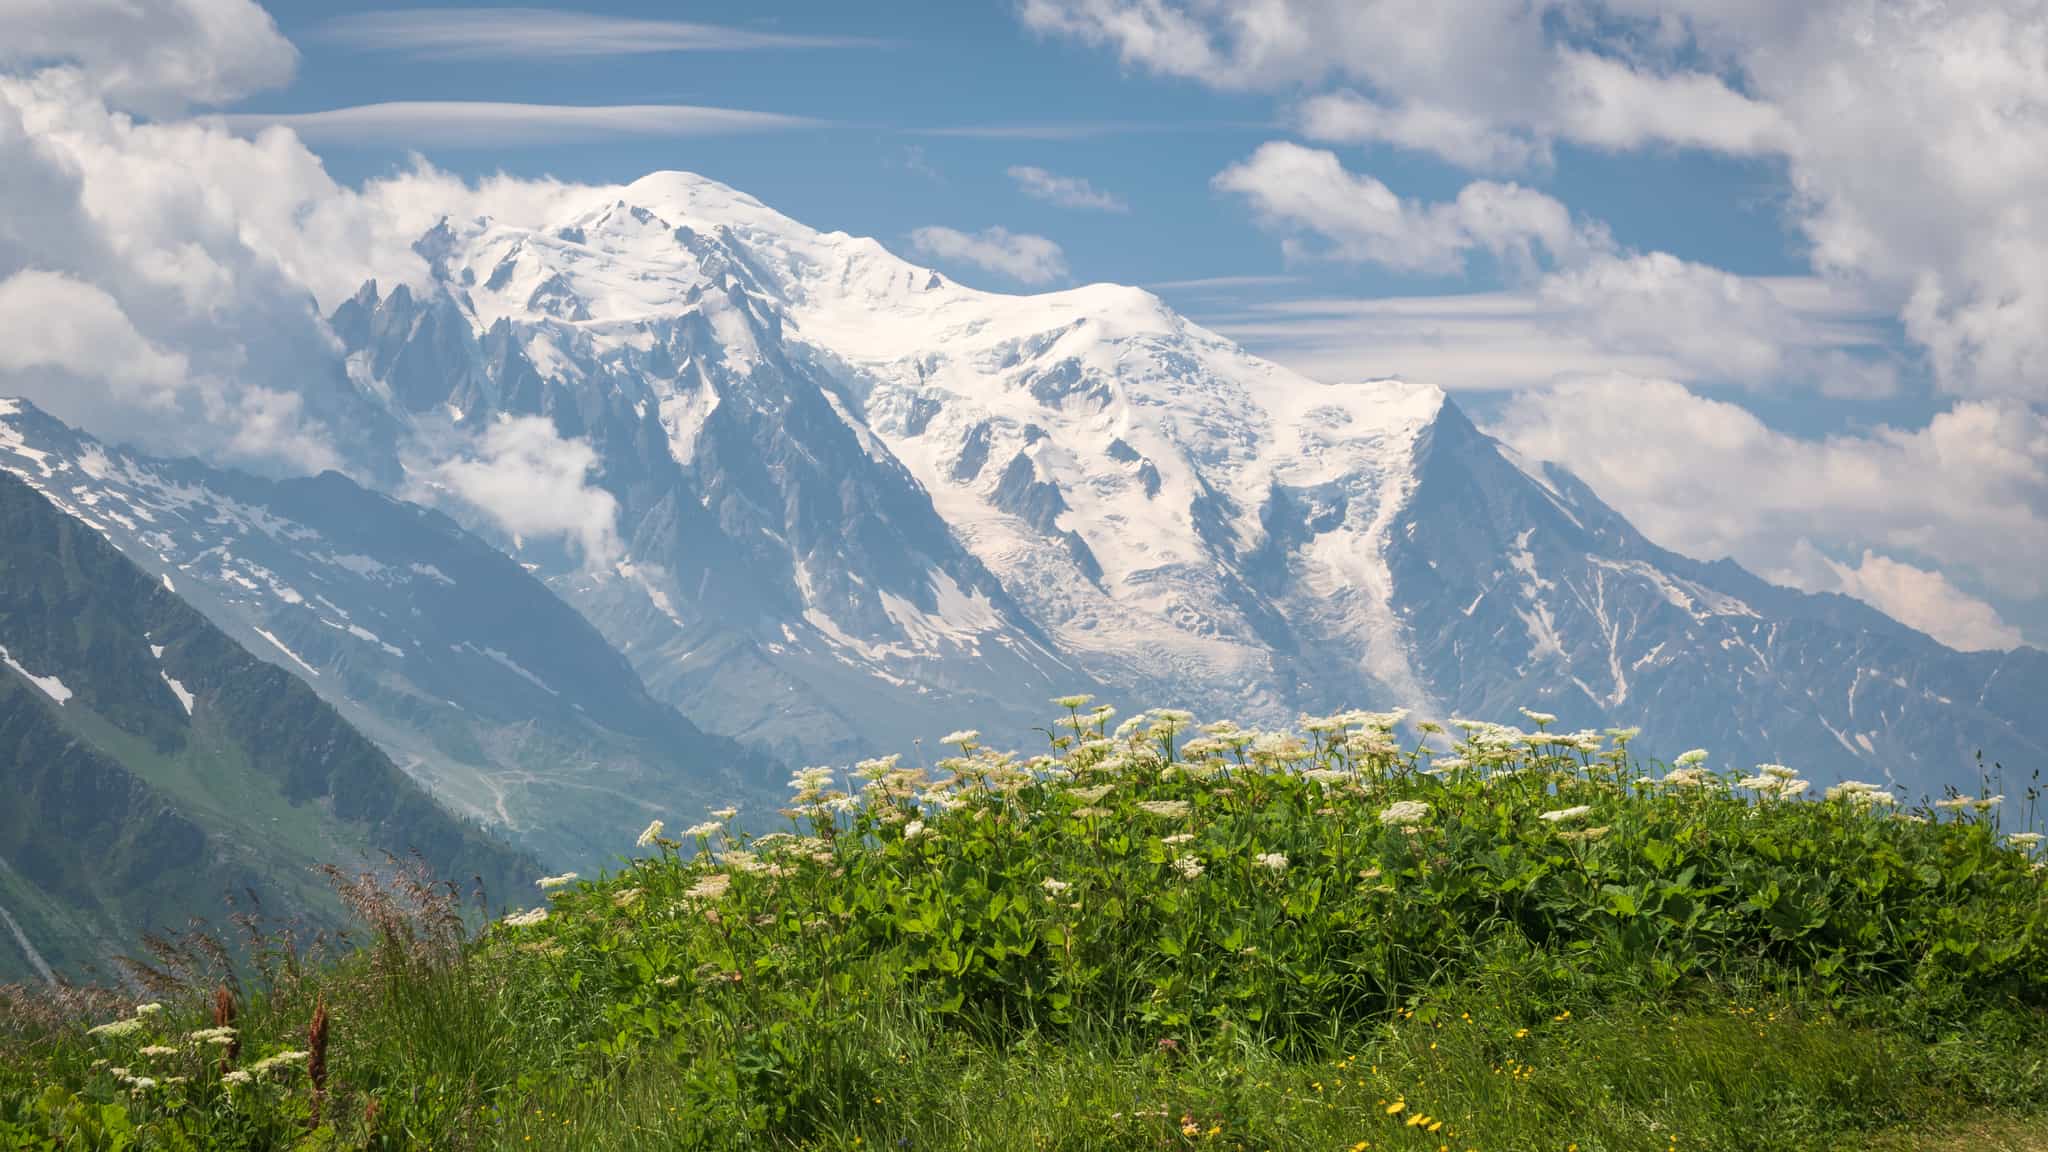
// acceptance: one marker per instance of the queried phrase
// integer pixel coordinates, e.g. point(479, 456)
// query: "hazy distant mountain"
point(152, 766)
point(457, 661)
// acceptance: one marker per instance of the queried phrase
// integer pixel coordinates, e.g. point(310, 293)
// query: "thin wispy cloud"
point(543, 33)
point(475, 123)
point(1065, 191)
point(1083, 129)
point(1222, 283)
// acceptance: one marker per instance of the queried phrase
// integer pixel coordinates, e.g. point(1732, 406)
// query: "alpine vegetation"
point(1157, 933)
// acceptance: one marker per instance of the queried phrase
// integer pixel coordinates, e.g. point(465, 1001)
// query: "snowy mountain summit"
point(858, 501)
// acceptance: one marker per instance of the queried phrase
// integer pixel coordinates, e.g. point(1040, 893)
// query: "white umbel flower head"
point(1074, 703)
point(1692, 759)
point(650, 834)
point(1271, 861)
point(1566, 815)
point(1539, 719)
point(1054, 887)
point(549, 883)
point(1404, 813)
point(526, 919)
point(1188, 867)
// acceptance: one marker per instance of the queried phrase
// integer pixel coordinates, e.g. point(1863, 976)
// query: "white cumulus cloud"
point(533, 482)
point(1301, 190)
point(1917, 597)
point(1021, 256)
point(1968, 492)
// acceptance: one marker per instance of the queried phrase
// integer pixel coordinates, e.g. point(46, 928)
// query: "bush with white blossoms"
point(1163, 868)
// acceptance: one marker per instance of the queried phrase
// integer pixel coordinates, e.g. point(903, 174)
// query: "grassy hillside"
point(155, 767)
point(1156, 935)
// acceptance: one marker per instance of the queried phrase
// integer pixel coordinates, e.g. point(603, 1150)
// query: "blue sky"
point(917, 112)
point(1768, 276)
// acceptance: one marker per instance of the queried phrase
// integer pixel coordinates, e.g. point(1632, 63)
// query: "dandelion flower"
point(1404, 813)
point(1566, 815)
point(552, 882)
point(650, 834)
point(1272, 861)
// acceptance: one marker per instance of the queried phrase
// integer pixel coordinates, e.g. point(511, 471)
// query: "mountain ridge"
point(155, 764)
point(470, 672)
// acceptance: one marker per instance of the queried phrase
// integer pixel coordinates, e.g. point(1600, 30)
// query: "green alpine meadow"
point(1154, 934)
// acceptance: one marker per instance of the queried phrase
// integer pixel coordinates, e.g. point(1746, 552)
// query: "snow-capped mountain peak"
point(858, 496)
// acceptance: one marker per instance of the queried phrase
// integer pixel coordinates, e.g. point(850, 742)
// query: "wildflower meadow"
point(1153, 934)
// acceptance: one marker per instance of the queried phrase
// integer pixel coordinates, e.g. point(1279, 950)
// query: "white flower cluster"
point(1404, 813)
point(1860, 794)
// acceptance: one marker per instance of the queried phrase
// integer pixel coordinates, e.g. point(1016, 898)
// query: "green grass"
point(1160, 937)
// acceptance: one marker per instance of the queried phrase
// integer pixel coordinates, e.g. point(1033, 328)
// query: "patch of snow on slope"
point(281, 648)
point(50, 685)
point(178, 690)
point(364, 634)
point(515, 667)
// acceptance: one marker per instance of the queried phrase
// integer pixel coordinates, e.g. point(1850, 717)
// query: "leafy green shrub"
point(1212, 921)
